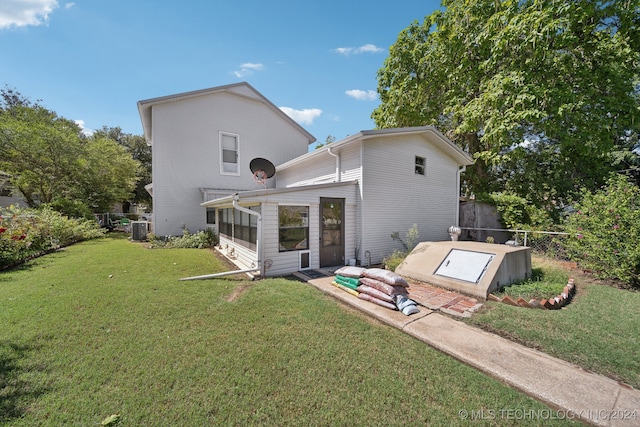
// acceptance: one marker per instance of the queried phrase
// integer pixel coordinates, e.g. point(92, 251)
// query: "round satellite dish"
point(262, 168)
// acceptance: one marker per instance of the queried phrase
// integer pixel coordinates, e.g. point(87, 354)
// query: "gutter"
point(260, 266)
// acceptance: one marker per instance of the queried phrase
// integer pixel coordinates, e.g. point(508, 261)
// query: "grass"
point(598, 330)
point(104, 327)
point(546, 281)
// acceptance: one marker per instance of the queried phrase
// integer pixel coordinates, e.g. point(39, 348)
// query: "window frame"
point(221, 149)
point(304, 227)
point(420, 165)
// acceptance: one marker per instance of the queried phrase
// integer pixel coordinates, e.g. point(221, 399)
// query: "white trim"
point(221, 134)
point(308, 252)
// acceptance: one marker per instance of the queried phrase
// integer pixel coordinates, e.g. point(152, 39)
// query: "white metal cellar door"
point(464, 265)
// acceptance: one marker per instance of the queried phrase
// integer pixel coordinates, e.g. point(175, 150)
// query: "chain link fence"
point(545, 243)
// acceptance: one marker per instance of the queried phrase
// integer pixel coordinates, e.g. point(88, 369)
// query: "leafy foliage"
point(606, 225)
point(541, 92)
point(396, 257)
point(199, 240)
point(48, 158)
point(25, 233)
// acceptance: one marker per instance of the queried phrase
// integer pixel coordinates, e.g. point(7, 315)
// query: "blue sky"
point(92, 61)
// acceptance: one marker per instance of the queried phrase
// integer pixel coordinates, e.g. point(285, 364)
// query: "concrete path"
point(571, 391)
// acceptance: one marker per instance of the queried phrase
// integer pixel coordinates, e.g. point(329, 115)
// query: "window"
point(229, 154)
point(238, 226)
point(211, 216)
point(293, 228)
point(420, 165)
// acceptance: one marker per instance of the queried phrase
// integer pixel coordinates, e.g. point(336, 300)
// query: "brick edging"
point(553, 303)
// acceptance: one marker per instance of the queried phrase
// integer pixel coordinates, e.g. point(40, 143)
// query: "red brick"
point(508, 300)
point(546, 304)
point(492, 297)
point(522, 303)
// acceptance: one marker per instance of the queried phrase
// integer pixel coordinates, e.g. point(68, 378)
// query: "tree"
point(37, 149)
point(49, 160)
point(139, 150)
point(541, 92)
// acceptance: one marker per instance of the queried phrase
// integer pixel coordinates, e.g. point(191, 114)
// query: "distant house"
point(336, 205)
point(8, 196)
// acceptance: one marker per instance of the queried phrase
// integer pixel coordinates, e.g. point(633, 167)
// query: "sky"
point(92, 61)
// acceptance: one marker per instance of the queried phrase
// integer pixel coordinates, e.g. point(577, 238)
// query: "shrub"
point(412, 237)
point(199, 240)
point(606, 225)
point(26, 233)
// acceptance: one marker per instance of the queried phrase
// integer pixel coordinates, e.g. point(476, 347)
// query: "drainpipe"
point(461, 170)
point(337, 163)
point(259, 266)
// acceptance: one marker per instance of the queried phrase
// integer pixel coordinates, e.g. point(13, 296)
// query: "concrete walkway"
point(573, 392)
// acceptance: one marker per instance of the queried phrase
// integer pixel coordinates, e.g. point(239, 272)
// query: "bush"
point(412, 237)
point(199, 240)
point(606, 226)
point(25, 233)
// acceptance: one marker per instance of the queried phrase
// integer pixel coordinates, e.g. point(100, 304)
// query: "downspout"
point(337, 156)
point(461, 170)
point(259, 266)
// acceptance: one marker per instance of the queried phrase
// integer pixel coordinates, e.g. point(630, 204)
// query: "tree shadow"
point(16, 392)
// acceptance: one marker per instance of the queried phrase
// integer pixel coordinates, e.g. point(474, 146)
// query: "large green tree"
point(543, 93)
point(48, 159)
point(139, 150)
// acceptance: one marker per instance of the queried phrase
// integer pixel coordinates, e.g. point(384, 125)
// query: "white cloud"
point(362, 95)
point(87, 132)
point(21, 13)
point(367, 48)
point(69, 5)
point(305, 117)
point(247, 69)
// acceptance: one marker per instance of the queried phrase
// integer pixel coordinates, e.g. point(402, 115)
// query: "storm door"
point(331, 232)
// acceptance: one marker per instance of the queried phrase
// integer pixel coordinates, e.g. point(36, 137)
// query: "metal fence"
point(547, 243)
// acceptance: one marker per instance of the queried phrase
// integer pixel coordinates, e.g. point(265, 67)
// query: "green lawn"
point(598, 330)
point(105, 327)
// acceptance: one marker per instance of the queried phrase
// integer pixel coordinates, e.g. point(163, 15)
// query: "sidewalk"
point(593, 398)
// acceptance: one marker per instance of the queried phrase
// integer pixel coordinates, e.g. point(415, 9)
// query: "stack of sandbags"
point(348, 279)
point(382, 287)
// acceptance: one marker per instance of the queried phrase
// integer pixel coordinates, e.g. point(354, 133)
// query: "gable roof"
point(429, 132)
point(243, 89)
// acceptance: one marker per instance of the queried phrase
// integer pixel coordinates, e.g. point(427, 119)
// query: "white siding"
point(282, 263)
point(186, 152)
point(395, 197)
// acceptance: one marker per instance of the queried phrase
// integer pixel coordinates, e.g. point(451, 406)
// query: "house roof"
point(240, 89)
point(429, 132)
point(268, 192)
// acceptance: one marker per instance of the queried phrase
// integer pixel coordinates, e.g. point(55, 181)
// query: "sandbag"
point(344, 288)
point(364, 289)
point(345, 283)
point(383, 287)
point(375, 300)
point(387, 276)
point(349, 271)
point(351, 280)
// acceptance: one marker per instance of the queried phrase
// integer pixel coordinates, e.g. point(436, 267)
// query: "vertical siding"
point(395, 197)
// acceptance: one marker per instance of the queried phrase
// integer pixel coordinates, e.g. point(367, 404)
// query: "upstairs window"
point(229, 154)
point(420, 165)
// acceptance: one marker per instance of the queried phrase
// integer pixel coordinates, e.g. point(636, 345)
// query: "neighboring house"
point(8, 196)
point(202, 143)
point(339, 204)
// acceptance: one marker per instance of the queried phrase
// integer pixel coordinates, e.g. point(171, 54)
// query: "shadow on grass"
point(16, 393)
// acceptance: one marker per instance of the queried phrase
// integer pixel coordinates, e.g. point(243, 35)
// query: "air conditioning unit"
point(139, 230)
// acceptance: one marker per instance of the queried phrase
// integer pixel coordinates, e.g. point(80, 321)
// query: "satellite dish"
point(262, 169)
